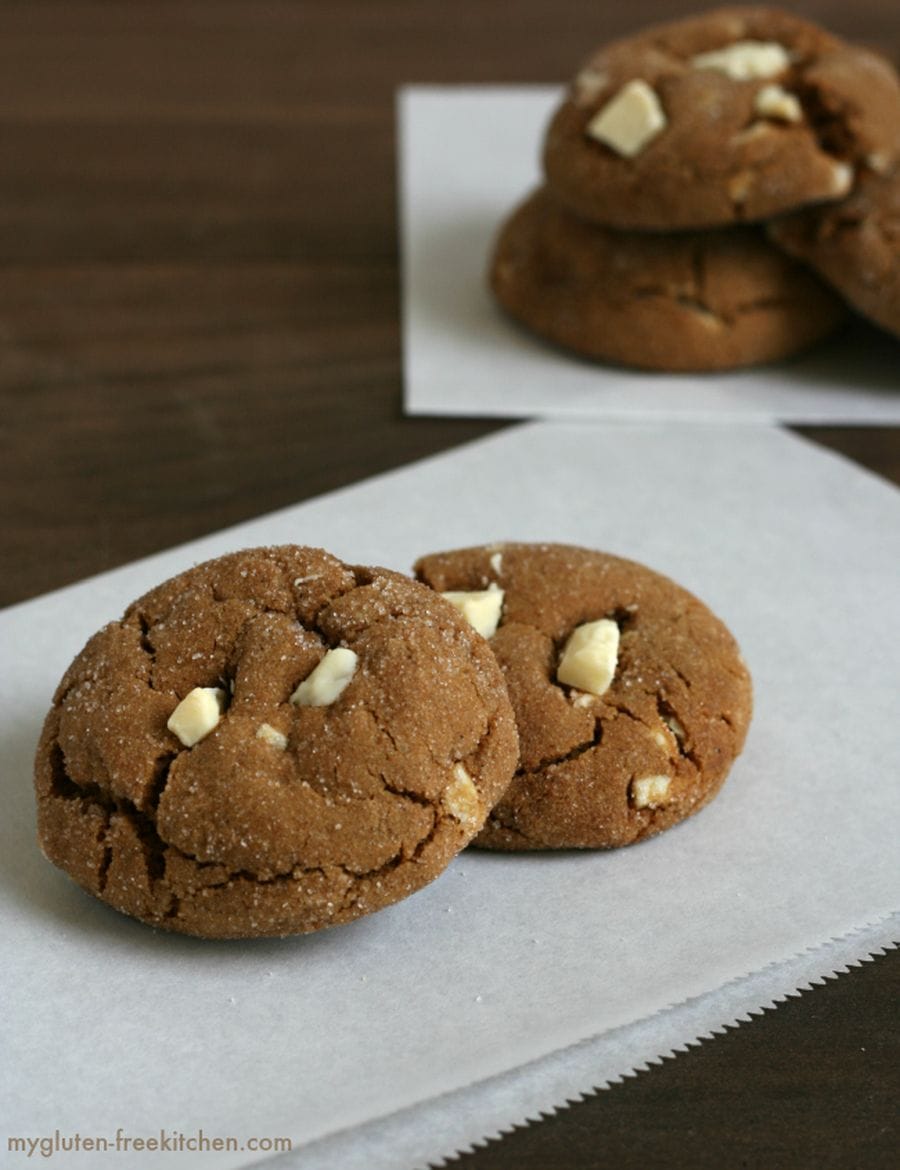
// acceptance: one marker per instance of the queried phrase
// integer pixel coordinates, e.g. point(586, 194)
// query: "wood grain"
point(199, 322)
point(198, 255)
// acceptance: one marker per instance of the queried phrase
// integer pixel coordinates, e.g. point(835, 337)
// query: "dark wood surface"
point(199, 322)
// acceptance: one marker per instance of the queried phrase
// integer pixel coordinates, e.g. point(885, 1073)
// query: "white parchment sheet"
point(504, 959)
point(468, 155)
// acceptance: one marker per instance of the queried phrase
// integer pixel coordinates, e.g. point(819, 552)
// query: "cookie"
point(736, 115)
point(854, 245)
point(631, 697)
point(680, 301)
point(271, 743)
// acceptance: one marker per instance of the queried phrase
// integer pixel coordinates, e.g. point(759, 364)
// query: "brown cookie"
point(854, 245)
point(738, 114)
point(683, 301)
point(271, 743)
point(627, 726)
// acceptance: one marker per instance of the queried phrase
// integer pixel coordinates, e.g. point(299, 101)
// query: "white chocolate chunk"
point(650, 791)
point(461, 799)
point(753, 131)
point(746, 60)
point(589, 84)
point(272, 735)
point(879, 162)
point(328, 680)
point(675, 727)
point(630, 120)
point(842, 178)
point(705, 317)
point(774, 102)
point(496, 563)
point(590, 657)
point(740, 186)
point(197, 714)
point(481, 607)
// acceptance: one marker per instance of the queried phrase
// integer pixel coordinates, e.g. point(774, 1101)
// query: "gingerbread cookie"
point(736, 115)
point(682, 301)
point(271, 743)
point(631, 697)
point(855, 245)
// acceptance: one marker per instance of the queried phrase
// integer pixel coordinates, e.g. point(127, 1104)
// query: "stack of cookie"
point(717, 190)
point(274, 742)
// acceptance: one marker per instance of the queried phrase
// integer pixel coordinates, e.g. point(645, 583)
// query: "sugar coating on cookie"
point(607, 769)
point(675, 302)
point(271, 743)
point(734, 115)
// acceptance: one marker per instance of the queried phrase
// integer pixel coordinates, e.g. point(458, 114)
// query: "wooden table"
point(199, 323)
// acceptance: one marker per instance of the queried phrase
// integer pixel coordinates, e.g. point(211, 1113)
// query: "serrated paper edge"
point(739, 1020)
point(500, 1105)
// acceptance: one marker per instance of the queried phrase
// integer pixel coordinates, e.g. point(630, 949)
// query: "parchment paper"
point(504, 959)
point(457, 1121)
point(468, 155)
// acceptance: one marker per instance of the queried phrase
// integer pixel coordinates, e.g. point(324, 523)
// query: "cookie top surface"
point(738, 114)
point(854, 245)
point(676, 301)
point(289, 795)
point(603, 769)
